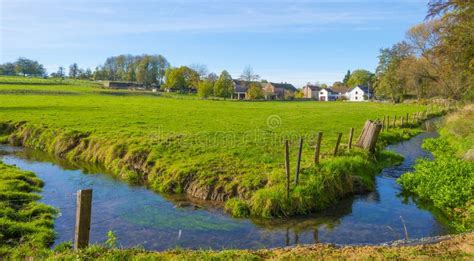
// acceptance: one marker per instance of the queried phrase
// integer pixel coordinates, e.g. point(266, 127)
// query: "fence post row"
point(83, 218)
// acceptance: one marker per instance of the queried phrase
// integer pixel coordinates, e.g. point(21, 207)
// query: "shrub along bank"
point(448, 180)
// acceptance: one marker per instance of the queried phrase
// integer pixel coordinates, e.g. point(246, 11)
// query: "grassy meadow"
point(211, 149)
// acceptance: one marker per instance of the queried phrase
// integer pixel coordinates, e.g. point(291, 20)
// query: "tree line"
point(436, 58)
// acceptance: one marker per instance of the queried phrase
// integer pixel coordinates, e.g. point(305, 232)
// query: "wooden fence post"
point(317, 149)
point(402, 121)
point(407, 121)
point(298, 161)
point(339, 136)
point(394, 121)
point(369, 136)
point(383, 124)
point(351, 134)
point(287, 168)
point(83, 218)
point(388, 122)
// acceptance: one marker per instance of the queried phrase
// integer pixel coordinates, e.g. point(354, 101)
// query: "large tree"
point(388, 82)
point(26, 66)
point(7, 69)
point(346, 77)
point(182, 78)
point(205, 88)
point(249, 75)
point(74, 71)
point(224, 86)
point(360, 77)
point(254, 91)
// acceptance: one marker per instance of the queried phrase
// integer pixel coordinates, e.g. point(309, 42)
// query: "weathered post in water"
point(83, 218)
point(298, 161)
point(287, 168)
point(339, 136)
point(317, 149)
point(351, 134)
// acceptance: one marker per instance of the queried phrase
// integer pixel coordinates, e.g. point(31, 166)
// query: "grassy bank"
point(213, 150)
point(460, 247)
point(26, 226)
point(448, 180)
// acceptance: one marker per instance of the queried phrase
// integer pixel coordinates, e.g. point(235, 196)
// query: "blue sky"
point(292, 41)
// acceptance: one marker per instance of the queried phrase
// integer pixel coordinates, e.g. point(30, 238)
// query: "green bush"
point(447, 181)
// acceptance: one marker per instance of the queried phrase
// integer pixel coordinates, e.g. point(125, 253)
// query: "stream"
point(138, 216)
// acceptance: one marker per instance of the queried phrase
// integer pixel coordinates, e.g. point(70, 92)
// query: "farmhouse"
point(311, 91)
point(240, 89)
point(277, 90)
point(341, 91)
point(327, 95)
point(358, 93)
point(121, 85)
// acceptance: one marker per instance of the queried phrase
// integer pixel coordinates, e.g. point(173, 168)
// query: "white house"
point(327, 95)
point(359, 93)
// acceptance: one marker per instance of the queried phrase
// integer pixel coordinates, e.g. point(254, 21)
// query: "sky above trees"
point(293, 41)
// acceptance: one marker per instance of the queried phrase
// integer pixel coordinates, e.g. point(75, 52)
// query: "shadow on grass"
point(37, 92)
point(34, 83)
point(127, 93)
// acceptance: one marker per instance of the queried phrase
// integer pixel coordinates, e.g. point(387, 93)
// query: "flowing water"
point(139, 216)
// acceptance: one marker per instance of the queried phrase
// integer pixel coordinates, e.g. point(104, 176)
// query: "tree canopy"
point(182, 78)
point(24, 67)
point(435, 59)
point(224, 86)
point(360, 77)
point(147, 69)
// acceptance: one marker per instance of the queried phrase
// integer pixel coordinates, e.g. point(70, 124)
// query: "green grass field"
point(212, 149)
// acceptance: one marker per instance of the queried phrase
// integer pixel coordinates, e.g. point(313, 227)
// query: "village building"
point(341, 91)
point(240, 89)
point(327, 94)
point(274, 91)
point(359, 93)
point(311, 91)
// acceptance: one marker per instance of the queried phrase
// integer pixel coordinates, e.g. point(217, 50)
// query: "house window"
point(321, 93)
point(357, 93)
point(356, 97)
